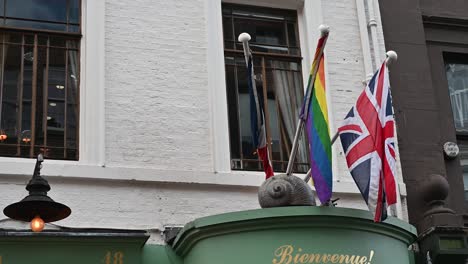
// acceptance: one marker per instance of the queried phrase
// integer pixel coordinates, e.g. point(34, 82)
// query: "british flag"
point(368, 140)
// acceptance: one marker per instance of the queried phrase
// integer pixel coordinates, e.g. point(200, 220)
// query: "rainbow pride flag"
point(318, 132)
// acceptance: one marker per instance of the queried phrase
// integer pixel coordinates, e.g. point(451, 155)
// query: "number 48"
point(115, 258)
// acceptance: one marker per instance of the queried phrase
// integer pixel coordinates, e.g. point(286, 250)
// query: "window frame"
point(236, 51)
point(436, 48)
point(91, 98)
point(75, 36)
point(309, 17)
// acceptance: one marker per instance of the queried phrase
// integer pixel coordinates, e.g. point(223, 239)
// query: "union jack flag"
point(368, 140)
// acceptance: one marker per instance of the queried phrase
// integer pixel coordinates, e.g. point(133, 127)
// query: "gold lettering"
point(352, 260)
point(315, 257)
point(283, 255)
point(296, 258)
point(107, 258)
point(287, 254)
point(303, 259)
point(335, 258)
point(112, 257)
point(118, 257)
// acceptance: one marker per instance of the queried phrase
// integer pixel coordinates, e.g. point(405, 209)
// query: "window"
point(456, 66)
point(277, 66)
point(39, 78)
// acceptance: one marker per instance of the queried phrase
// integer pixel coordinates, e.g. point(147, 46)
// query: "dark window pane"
point(13, 38)
point(2, 9)
point(73, 29)
point(74, 15)
point(463, 145)
point(292, 35)
point(29, 39)
point(9, 94)
point(262, 32)
point(25, 135)
point(227, 29)
point(457, 77)
point(57, 41)
point(49, 10)
point(72, 109)
point(42, 40)
point(41, 97)
point(56, 98)
point(35, 25)
point(232, 111)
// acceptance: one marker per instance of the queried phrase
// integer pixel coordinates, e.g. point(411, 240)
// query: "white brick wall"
point(157, 109)
point(345, 68)
point(157, 122)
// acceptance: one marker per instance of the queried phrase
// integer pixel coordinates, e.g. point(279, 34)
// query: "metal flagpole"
point(244, 38)
point(324, 30)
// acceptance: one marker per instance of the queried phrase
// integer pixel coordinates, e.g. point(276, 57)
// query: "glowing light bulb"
point(37, 224)
point(3, 137)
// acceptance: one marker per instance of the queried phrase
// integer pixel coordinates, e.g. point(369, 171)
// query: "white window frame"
point(309, 18)
point(91, 134)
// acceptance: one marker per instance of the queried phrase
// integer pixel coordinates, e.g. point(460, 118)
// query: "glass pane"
point(13, 38)
point(41, 101)
point(248, 150)
point(227, 29)
point(56, 41)
point(292, 35)
point(2, 9)
point(457, 77)
point(262, 32)
point(72, 109)
point(35, 25)
point(73, 29)
point(25, 129)
point(49, 10)
point(285, 94)
point(74, 15)
point(463, 145)
point(56, 99)
point(231, 89)
point(11, 82)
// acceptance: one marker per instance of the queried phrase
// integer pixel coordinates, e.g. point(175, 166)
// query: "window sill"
point(75, 169)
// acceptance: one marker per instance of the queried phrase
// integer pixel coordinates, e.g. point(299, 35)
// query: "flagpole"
point(324, 30)
point(244, 38)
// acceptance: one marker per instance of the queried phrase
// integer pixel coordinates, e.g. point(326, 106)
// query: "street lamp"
point(37, 207)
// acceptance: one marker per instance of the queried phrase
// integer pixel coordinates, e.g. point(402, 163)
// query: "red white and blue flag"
point(257, 121)
point(368, 140)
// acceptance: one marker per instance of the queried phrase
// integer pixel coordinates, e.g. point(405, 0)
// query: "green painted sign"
point(295, 235)
point(288, 235)
point(71, 247)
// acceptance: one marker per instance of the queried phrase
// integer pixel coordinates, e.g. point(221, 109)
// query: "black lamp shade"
point(30, 207)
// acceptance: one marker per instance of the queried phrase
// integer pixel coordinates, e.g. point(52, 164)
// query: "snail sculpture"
point(284, 190)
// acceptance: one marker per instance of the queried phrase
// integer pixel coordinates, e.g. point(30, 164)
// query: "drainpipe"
point(372, 23)
point(366, 51)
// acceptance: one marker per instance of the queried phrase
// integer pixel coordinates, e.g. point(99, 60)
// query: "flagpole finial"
point(324, 30)
point(244, 37)
point(391, 57)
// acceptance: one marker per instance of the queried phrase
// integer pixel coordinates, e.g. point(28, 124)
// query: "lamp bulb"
point(37, 224)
